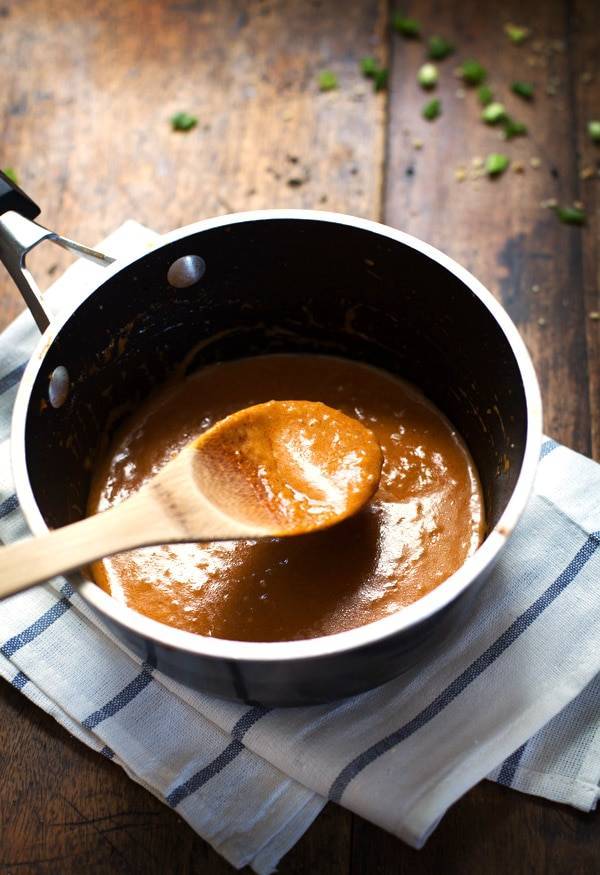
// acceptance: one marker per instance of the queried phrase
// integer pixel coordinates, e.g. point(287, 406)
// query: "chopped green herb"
point(593, 131)
point(328, 81)
point(439, 48)
point(496, 163)
point(183, 121)
point(380, 79)
point(408, 27)
point(571, 215)
point(493, 113)
point(516, 34)
point(472, 73)
point(427, 76)
point(513, 128)
point(371, 69)
point(369, 66)
point(432, 110)
point(485, 95)
point(523, 89)
point(12, 175)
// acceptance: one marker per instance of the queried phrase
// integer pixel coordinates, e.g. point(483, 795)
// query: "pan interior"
point(275, 285)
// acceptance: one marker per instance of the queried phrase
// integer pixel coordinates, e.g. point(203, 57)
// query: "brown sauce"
point(425, 519)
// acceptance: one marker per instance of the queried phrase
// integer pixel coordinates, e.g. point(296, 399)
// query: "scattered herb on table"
point(523, 89)
point(368, 66)
point(493, 113)
point(432, 110)
point(571, 215)
point(516, 34)
point(328, 81)
point(439, 48)
point(593, 131)
point(513, 128)
point(472, 73)
point(427, 76)
point(380, 79)
point(485, 95)
point(496, 164)
point(183, 121)
point(12, 174)
point(408, 27)
point(371, 69)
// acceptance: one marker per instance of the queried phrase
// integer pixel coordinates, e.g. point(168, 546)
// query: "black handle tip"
point(14, 198)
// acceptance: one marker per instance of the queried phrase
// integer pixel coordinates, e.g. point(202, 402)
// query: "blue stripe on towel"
point(227, 755)
point(547, 447)
point(124, 697)
point(19, 680)
point(489, 656)
point(27, 635)
point(8, 505)
point(248, 720)
point(510, 766)
point(12, 378)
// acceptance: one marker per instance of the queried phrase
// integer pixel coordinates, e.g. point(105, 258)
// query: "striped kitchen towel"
point(514, 696)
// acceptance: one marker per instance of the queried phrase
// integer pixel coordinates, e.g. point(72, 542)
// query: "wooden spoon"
point(272, 470)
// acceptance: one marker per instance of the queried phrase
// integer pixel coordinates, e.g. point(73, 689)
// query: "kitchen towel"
point(515, 696)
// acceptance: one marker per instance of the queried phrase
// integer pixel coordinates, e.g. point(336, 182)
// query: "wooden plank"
point(87, 93)
point(584, 43)
point(492, 830)
point(497, 228)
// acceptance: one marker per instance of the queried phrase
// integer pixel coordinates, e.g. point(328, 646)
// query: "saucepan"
point(253, 283)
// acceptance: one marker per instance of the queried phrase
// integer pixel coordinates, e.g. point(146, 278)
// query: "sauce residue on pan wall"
point(425, 519)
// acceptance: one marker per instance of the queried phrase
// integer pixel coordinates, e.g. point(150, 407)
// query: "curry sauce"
point(424, 520)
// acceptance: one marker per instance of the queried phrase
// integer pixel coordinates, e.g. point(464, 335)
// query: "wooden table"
point(86, 93)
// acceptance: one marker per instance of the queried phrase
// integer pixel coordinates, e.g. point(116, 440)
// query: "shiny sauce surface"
point(425, 519)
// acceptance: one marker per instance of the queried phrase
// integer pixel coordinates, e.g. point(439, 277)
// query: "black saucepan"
point(254, 283)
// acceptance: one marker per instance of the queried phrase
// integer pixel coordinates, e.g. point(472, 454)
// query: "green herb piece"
point(369, 66)
point(513, 128)
point(427, 76)
point(496, 163)
point(432, 110)
point(12, 174)
point(371, 70)
point(380, 79)
point(593, 131)
point(472, 73)
point(485, 95)
point(516, 34)
point(439, 48)
point(571, 215)
point(493, 113)
point(183, 121)
point(523, 89)
point(328, 81)
point(408, 27)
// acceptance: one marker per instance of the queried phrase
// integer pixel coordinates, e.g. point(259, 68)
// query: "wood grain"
point(86, 92)
point(498, 229)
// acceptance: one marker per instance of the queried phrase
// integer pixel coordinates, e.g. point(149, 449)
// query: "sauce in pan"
point(424, 520)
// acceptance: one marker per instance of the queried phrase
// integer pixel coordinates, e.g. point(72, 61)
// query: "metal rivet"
point(186, 271)
point(58, 390)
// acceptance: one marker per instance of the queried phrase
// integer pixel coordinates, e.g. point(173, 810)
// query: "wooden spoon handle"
point(34, 560)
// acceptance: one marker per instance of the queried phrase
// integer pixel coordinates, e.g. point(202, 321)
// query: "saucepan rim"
point(413, 615)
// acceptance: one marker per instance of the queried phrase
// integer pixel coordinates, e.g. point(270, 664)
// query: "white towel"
point(515, 696)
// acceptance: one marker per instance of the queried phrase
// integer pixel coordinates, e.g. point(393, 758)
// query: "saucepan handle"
point(13, 198)
point(19, 234)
